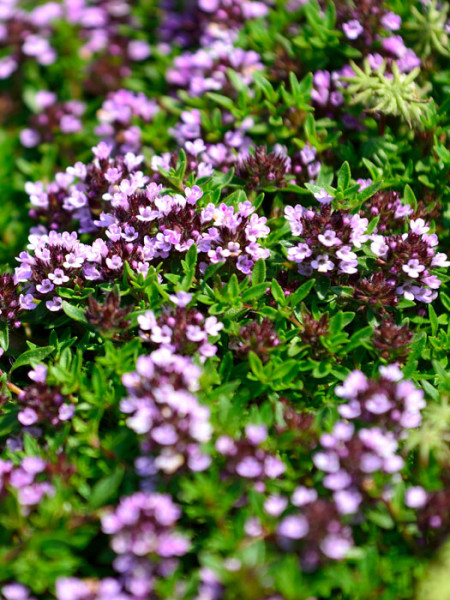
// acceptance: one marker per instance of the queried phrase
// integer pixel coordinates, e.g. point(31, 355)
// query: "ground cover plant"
point(224, 300)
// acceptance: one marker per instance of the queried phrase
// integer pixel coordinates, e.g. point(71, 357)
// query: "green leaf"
point(265, 85)
point(106, 489)
point(259, 272)
point(233, 287)
point(301, 293)
point(344, 176)
point(359, 337)
point(445, 300)
point(410, 197)
point(223, 101)
point(337, 323)
point(32, 357)
point(191, 258)
point(4, 337)
point(322, 369)
point(256, 365)
point(73, 312)
point(369, 191)
point(277, 293)
point(254, 292)
point(433, 319)
point(287, 370)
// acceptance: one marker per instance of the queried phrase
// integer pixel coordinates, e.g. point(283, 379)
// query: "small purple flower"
point(114, 263)
point(391, 21)
point(26, 302)
point(249, 468)
point(335, 546)
point(275, 505)
point(256, 434)
point(352, 29)
point(415, 497)
point(27, 417)
point(329, 238)
point(16, 591)
point(413, 268)
point(181, 299)
point(293, 527)
point(323, 197)
point(322, 263)
point(58, 277)
point(55, 304)
point(38, 374)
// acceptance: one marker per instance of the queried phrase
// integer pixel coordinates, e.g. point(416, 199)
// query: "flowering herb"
point(224, 300)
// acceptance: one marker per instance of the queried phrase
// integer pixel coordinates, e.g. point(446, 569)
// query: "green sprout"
point(396, 95)
point(433, 437)
point(429, 29)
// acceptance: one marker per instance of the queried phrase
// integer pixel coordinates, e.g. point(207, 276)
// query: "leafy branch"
point(393, 93)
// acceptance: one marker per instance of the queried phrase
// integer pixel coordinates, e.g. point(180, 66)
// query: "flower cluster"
point(260, 169)
point(53, 117)
point(204, 156)
point(26, 480)
point(144, 537)
point(315, 530)
point(392, 341)
point(389, 401)
point(354, 452)
point(140, 225)
point(71, 588)
point(247, 459)
point(12, 302)
point(100, 26)
point(256, 337)
point(41, 403)
point(56, 260)
point(179, 329)
point(206, 69)
point(330, 238)
point(162, 408)
point(26, 35)
point(117, 115)
point(362, 24)
point(109, 317)
point(224, 18)
point(407, 260)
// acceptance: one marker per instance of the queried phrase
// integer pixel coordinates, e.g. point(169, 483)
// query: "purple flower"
point(335, 546)
point(413, 268)
point(16, 591)
point(415, 497)
point(352, 29)
point(58, 277)
point(293, 527)
point(329, 238)
point(256, 434)
point(38, 374)
point(391, 21)
point(249, 468)
point(27, 417)
point(26, 302)
point(275, 505)
point(323, 197)
point(347, 501)
point(322, 263)
point(114, 263)
point(55, 304)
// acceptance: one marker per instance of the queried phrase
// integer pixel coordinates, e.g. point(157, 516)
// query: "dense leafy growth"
point(224, 300)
